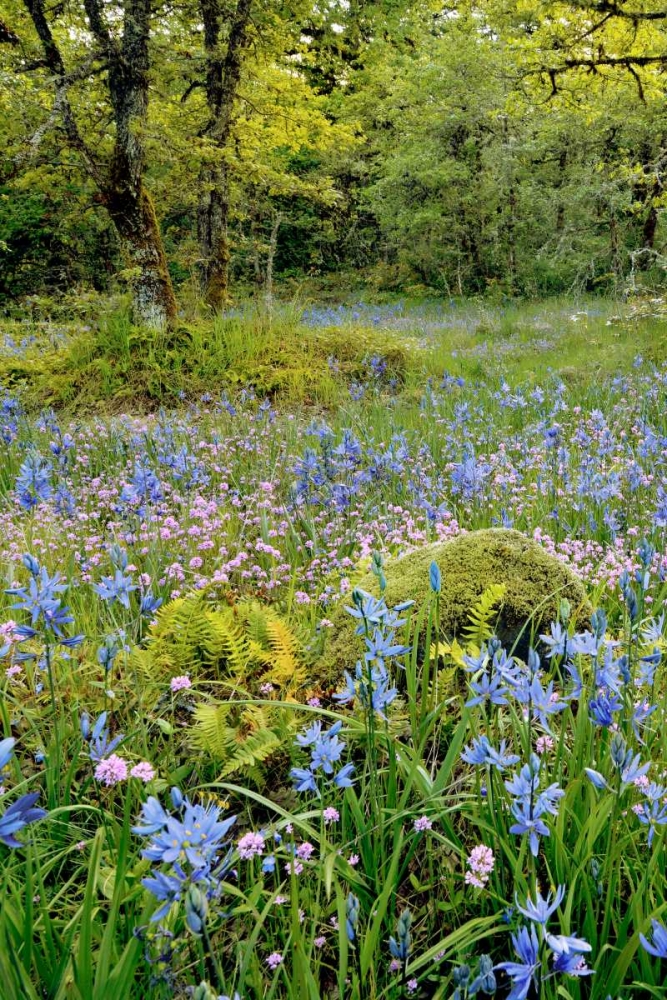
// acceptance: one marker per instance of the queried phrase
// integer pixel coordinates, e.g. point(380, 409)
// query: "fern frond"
point(251, 752)
point(480, 627)
point(240, 739)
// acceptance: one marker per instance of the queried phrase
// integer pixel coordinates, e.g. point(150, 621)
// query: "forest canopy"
point(494, 147)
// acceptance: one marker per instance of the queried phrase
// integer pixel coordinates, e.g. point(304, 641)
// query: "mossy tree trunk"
point(223, 73)
point(133, 214)
point(122, 45)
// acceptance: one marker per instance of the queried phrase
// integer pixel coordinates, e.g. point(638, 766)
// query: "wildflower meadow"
point(197, 802)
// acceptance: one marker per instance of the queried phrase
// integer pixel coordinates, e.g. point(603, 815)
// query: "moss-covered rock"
point(536, 583)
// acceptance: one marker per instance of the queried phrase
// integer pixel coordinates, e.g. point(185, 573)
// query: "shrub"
point(535, 585)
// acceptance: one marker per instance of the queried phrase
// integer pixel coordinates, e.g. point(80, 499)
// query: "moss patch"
point(536, 582)
point(114, 365)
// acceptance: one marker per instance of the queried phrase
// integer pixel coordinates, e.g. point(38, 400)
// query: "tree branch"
point(616, 9)
point(7, 36)
point(61, 81)
point(193, 85)
point(593, 64)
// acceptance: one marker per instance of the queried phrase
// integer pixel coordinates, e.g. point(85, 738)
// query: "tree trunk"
point(649, 230)
point(153, 300)
point(270, 258)
point(213, 234)
point(121, 179)
point(222, 80)
point(560, 206)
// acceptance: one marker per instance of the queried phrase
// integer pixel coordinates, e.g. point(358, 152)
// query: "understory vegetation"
point(196, 803)
point(81, 351)
point(333, 500)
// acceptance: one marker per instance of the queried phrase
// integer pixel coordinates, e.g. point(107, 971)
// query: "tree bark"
point(270, 258)
point(153, 300)
point(121, 179)
point(222, 79)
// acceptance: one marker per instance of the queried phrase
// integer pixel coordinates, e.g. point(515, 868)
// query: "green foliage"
point(521, 159)
point(115, 364)
point(242, 738)
point(473, 566)
point(481, 624)
point(235, 652)
point(241, 642)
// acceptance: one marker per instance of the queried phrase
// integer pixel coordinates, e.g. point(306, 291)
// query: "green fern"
point(481, 618)
point(241, 738)
point(244, 642)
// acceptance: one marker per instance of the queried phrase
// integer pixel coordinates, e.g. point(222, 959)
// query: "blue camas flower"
point(20, 813)
point(326, 750)
point(371, 688)
point(488, 688)
point(6, 751)
point(351, 916)
point(100, 744)
point(540, 911)
point(524, 972)
point(481, 752)
point(658, 946)
point(17, 815)
point(197, 837)
point(653, 812)
point(116, 588)
point(167, 889)
point(602, 709)
point(400, 945)
point(39, 600)
point(192, 849)
point(33, 483)
point(530, 804)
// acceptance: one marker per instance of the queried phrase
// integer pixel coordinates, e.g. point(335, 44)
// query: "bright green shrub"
point(535, 584)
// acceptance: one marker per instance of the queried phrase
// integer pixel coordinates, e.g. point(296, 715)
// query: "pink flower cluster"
point(480, 863)
point(113, 769)
point(180, 683)
point(250, 845)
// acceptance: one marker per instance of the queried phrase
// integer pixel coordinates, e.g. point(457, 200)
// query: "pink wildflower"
point(250, 844)
point(144, 771)
point(481, 862)
point(180, 683)
point(111, 770)
point(423, 823)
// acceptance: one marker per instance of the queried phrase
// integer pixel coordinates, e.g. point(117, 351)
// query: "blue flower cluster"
point(47, 613)
point(21, 812)
point(325, 752)
point(567, 953)
point(191, 844)
point(371, 684)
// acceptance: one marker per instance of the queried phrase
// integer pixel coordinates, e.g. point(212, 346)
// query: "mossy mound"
point(110, 364)
point(536, 583)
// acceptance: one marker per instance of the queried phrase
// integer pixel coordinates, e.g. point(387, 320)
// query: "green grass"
point(101, 360)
